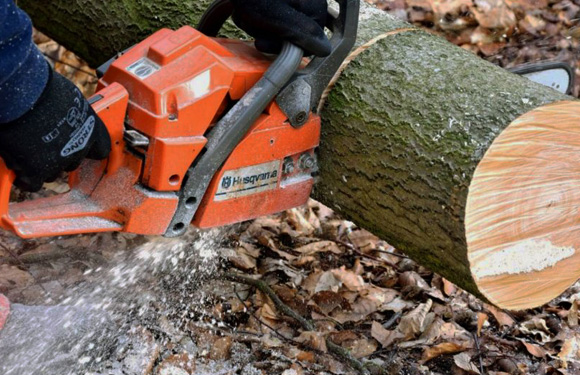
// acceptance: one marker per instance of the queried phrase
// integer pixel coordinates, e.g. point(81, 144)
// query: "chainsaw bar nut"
point(288, 166)
point(306, 161)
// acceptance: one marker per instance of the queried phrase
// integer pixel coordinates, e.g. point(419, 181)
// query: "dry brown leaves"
point(372, 309)
point(506, 32)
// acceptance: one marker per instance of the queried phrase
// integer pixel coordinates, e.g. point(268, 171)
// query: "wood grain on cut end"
point(522, 218)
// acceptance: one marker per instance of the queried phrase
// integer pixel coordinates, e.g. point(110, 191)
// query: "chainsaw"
point(204, 130)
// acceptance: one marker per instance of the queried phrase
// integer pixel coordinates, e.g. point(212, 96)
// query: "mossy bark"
point(97, 30)
point(404, 127)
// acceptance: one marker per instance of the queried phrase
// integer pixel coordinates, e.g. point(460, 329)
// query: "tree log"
point(465, 167)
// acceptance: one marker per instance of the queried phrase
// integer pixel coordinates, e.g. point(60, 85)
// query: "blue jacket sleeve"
point(23, 70)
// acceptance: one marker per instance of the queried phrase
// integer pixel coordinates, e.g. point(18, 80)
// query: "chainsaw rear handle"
point(56, 215)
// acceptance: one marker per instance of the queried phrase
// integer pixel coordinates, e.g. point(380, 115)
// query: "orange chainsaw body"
point(166, 93)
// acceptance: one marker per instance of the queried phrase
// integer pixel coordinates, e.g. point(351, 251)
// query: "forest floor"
point(304, 291)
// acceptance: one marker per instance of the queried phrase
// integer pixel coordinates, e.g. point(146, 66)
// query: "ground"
point(184, 307)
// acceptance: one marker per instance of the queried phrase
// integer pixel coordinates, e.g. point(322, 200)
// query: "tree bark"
point(412, 131)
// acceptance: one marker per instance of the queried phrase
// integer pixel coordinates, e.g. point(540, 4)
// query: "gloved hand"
point(273, 21)
point(55, 135)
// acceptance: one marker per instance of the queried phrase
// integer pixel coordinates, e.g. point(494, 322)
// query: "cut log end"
point(522, 213)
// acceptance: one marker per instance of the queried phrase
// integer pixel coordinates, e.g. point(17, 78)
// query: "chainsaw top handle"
point(303, 92)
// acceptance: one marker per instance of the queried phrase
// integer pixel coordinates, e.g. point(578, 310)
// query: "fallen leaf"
point(502, 317)
point(412, 278)
point(298, 370)
point(239, 258)
point(270, 341)
point(463, 361)
point(450, 14)
point(363, 240)
point(527, 4)
point(327, 281)
point(349, 279)
point(481, 320)
point(396, 305)
point(221, 349)
point(493, 14)
point(380, 296)
point(429, 336)
point(532, 25)
point(299, 222)
point(310, 283)
point(360, 309)
point(570, 350)
point(327, 301)
point(480, 36)
point(315, 340)
point(267, 312)
point(361, 347)
point(536, 327)
point(304, 260)
point(272, 265)
point(265, 239)
point(413, 323)
point(384, 336)
point(319, 247)
point(573, 312)
point(440, 349)
point(341, 336)
point(535, 350)
point(448, 287)
point(11, 277)
point(424, 4)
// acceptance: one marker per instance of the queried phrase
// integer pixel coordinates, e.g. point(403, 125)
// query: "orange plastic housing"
point(189, 80)
point(4, 310)
point(171, 88)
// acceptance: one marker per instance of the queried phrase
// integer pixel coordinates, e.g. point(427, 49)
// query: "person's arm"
point(23, 70)
point(46, 125)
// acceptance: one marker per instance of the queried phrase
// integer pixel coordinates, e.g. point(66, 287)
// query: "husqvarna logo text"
point(247, 181)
